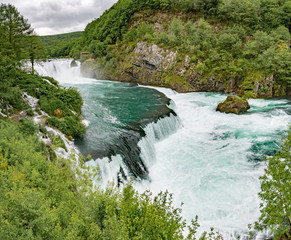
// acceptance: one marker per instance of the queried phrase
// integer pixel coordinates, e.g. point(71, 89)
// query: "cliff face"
point(149, 64)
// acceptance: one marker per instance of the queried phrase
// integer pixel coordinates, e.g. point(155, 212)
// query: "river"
point(165, 140)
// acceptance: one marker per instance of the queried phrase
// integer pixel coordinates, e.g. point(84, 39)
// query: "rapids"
point(164, 140)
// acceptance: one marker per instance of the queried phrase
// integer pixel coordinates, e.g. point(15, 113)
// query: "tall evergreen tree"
point(35, 50)
point(14, 30)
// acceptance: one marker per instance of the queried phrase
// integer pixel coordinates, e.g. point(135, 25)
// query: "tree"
point(34, 50)
point(14, 28)
point(9, 94)
point(276, 193)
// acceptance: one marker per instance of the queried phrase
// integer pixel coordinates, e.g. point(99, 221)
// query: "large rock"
point(233, 104)
point(152, 57)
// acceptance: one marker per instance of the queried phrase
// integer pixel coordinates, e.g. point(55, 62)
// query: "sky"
point(49, 17)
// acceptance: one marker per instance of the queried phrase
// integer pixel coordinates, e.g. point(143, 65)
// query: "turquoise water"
point(211, 161)
point(118, 113)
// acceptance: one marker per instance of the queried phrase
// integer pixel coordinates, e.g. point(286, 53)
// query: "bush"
point(42, 129)
point(70, 126)
point(58, 142)
point(30, 112)
point(27, 126)
point(51, 80)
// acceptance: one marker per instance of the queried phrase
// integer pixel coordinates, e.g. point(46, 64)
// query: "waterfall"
point(155, 132)
point(117, 169)
point(210, 161)
point(61, 70)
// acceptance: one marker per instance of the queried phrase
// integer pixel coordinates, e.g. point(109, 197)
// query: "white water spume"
point(156, 132)
point(60, 70)
point(205, 162)
point(201, 156)
point(109, 169)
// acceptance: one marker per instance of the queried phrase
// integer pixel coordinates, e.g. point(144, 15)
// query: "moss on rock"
point(233, 104)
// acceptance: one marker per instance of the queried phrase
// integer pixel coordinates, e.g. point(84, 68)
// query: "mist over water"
point(211, 161)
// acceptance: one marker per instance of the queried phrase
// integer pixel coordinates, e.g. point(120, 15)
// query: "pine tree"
point(14, 29)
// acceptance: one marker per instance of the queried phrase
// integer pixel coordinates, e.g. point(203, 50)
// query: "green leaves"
point(42, 199)
point(276, 192)
point(14, 30)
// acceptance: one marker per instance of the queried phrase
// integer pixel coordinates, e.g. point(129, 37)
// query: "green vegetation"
point(46, 197)
point(43, 199)
point(18, 43)
point(60, 45)
point(18, 40)
point(276, 193)
point(225, 40)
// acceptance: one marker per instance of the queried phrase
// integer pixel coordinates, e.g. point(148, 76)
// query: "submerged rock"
point(233, 104)
point(74, 63)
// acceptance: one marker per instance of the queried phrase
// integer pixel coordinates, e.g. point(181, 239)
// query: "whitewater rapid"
point(209, 160)
point(207, 163)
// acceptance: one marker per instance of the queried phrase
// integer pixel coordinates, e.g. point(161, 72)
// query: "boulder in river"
point(74, 63)
point(233, 104)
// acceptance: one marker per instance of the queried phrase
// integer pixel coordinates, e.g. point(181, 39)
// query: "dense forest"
point(60, 45)
point(245, 43)
point(45, 196)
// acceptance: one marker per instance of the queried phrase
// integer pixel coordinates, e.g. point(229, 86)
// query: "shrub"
point(51, 80)
point(38, 111)
point(27, 126)
point(11, 111)
point(30, 112)
point(59, 142)
point(70, 126)
point(42, 129)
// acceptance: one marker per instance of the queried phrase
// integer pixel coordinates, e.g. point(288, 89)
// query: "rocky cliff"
point(149, 64)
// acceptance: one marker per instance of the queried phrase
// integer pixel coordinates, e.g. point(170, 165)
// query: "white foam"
point(61, 70)
point(206, 169)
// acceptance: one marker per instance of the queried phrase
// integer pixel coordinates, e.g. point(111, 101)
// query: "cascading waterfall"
point(135, 143)
point(115, 170)
point(156, 132)
point(211, 161)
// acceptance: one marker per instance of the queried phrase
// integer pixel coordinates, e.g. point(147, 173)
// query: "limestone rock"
point(152, 57)
point(233, 104)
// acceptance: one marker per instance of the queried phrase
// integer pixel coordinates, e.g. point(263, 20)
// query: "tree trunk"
point(7, 110)
point(32, 67)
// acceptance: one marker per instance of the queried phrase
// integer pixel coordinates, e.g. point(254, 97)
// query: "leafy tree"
point(14, 28)
point(35, 50)
point(286, 14)
point(276, 193)
point(240, 11)
point(9, 93)
point(98, 48)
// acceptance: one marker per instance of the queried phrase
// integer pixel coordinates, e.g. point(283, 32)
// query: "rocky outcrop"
point(150, 64)
point(152, 57)
point(233, 104)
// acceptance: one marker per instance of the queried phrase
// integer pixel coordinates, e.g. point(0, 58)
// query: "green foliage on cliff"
point(60, 45)
point(276, 193)
point(43, 199)
point(18, 43)
point(65, 104)
point(227, 39)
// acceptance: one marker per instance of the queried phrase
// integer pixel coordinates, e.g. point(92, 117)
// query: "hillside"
point(229, 46)
point(60, 45)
